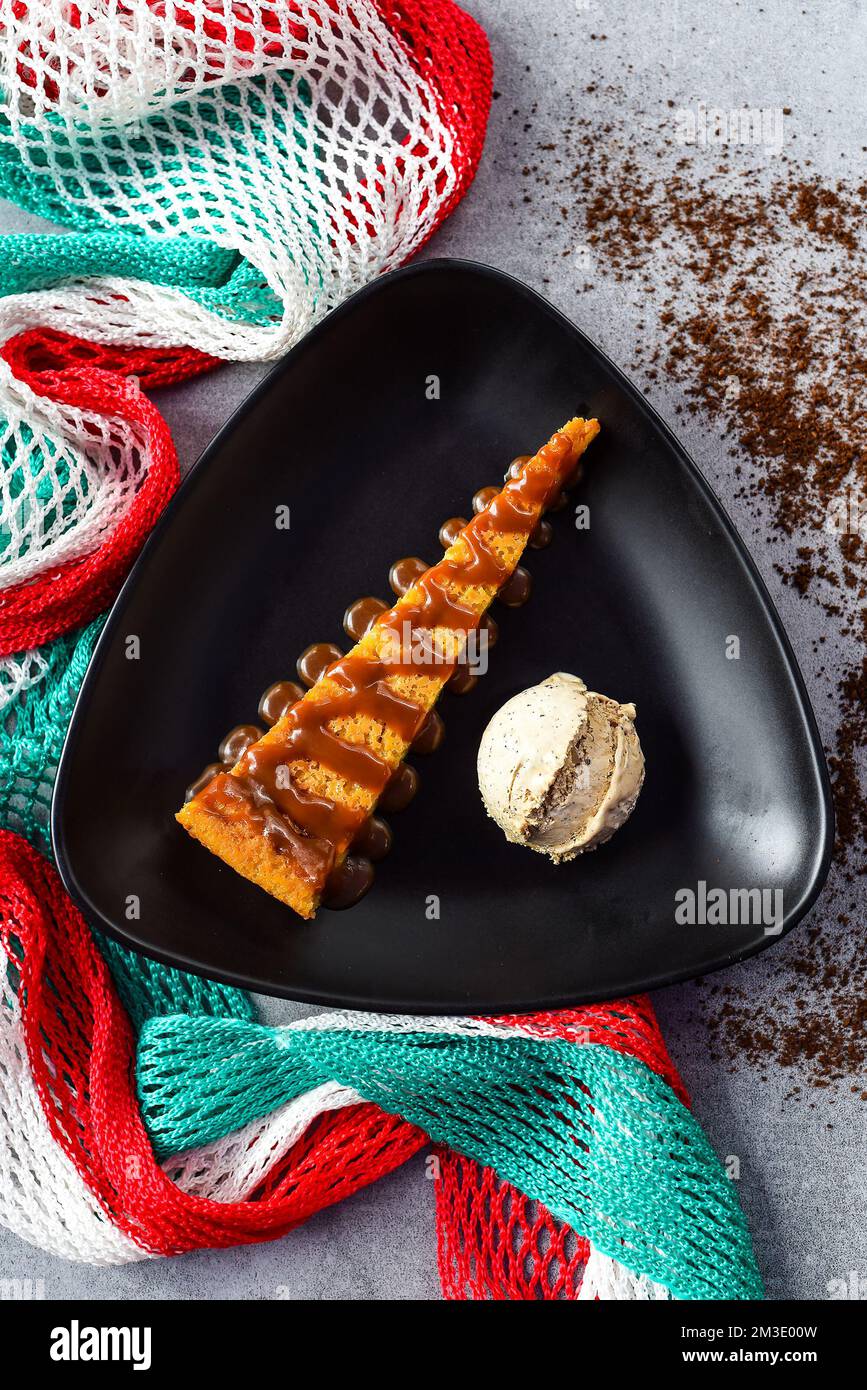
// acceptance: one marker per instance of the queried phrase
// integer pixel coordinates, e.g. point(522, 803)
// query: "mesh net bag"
point(296, 149)
point(86, 465)
point(226, 173)
point(591, 1134)
point(37, 694)
point(494, 1242)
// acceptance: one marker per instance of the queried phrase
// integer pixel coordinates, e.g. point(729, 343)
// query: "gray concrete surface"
point(801, 1180)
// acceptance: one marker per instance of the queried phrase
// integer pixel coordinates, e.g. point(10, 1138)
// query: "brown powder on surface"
point(816, 1024)
point(754, 273)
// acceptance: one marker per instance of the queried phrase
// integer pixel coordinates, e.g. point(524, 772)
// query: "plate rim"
point(823, 852)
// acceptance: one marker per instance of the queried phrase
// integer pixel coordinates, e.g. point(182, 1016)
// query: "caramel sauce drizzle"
point(316, 829)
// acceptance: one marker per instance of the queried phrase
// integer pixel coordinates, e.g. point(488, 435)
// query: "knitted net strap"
point(37, 695)
point(250, 1161)
point(35, 262)
point(44, 1196)
point(606, 1278)
point(80, 491)
point(313, 144)
point(148, 989)
point(54, 1193)
point(493, 1242)
point(235, 1077)
point(626, 1025)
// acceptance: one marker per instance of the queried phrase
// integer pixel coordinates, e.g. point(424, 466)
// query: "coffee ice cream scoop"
point(560, 767)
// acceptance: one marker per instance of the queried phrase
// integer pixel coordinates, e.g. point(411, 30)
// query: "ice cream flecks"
point(560, 767)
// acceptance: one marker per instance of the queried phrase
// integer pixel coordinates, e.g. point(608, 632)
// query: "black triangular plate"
point(640, 605)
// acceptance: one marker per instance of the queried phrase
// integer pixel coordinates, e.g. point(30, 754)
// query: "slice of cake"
point(286, 814)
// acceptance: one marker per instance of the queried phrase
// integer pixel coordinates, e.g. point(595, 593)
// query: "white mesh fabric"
point(69, 478)
point(605, 1278)
point(121, 59)
point(230, 1169)
point(18, 674)
point(358, 1021)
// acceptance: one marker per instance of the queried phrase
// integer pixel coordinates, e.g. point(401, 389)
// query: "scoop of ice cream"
point(560, 767)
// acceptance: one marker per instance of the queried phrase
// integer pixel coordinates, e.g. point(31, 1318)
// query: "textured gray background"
point(801, 1180)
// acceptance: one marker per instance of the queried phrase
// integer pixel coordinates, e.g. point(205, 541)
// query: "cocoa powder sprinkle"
point(754, 276)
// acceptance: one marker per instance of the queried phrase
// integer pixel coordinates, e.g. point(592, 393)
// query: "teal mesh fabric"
point(35, 261)
point(37, 695)
point(150, 990)
point(23, 186)
point(593, 1134)
point(33, 724)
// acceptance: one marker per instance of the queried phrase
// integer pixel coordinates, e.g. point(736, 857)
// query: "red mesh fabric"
point(492, 1241)
point(36, 354)
point(450, 51)
point(341, 1152)
point(81, 1051)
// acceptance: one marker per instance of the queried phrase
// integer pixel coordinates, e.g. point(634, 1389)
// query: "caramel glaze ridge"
point(288, 811)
